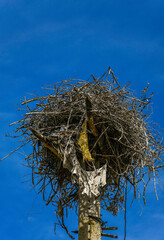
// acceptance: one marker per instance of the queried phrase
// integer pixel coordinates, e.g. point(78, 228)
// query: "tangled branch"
point(104, 123)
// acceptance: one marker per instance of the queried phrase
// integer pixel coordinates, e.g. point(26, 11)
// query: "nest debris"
point(106, 124)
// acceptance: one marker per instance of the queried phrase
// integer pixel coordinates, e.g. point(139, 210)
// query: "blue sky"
point(43, 41)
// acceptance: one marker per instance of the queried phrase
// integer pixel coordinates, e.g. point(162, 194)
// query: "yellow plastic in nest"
point(83, 143)
point(92, 126)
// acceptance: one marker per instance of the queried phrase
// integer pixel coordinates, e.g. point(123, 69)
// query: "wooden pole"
point(95, 219)
point(83, 217)
point(89, 218)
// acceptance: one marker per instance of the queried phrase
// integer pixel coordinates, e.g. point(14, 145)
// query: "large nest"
point(105, 123)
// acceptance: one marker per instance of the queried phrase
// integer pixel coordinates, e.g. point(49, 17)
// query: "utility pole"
point(89, 218)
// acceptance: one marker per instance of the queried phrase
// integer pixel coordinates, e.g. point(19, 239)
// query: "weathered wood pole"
point(89, 209)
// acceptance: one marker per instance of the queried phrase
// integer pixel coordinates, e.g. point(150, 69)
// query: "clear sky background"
point(43, 41)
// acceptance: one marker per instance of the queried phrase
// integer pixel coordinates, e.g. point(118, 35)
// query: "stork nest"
point(106, 123)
